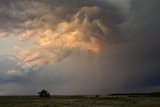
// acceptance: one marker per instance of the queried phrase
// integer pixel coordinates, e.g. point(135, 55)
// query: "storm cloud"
point(80, 47)
point(52, 30)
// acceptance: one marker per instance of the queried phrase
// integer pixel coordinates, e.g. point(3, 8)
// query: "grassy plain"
point(80, 101)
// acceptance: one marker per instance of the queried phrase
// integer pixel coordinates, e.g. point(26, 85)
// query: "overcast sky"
point(79, 47)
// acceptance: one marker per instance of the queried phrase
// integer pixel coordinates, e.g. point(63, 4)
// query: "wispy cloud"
point(55, 32)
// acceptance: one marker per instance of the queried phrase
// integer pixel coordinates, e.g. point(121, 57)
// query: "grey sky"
point(127, 32)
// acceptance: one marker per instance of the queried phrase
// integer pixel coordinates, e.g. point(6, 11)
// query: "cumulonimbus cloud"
point(51, 31)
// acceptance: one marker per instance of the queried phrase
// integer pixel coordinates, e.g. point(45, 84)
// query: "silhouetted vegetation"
point(97, 96)
point(44, 93)
point(153, 94)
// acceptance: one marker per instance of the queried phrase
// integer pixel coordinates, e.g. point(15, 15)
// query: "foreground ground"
point(80, 101)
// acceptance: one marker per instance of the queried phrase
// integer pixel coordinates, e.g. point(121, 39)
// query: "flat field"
point(80, 101)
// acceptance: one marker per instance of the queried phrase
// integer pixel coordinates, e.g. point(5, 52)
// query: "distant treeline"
point(74, 96)
point(153, 94)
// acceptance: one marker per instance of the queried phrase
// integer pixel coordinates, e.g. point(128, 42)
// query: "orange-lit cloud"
point(51, 43)
point(47, 32)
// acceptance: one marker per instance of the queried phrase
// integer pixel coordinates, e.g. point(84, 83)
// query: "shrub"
point(44, 93)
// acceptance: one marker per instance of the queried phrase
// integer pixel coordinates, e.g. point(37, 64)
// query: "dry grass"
point(80, 101)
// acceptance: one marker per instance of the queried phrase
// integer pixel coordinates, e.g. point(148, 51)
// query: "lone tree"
point(44, 93)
